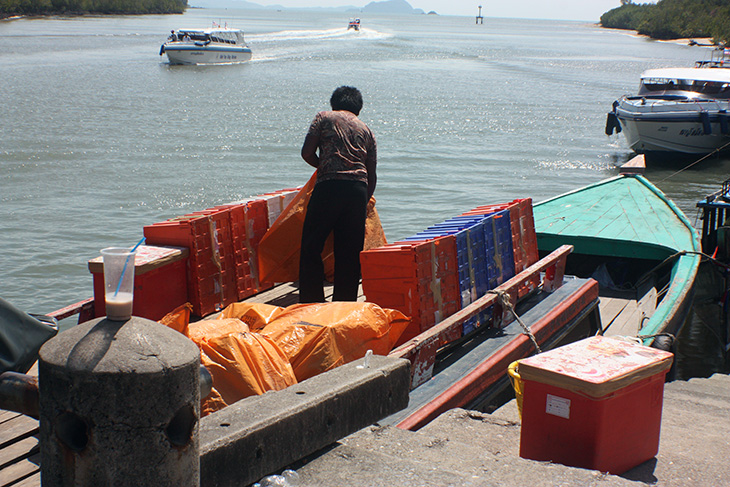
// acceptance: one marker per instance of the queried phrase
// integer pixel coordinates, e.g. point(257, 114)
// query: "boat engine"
point(612, 124)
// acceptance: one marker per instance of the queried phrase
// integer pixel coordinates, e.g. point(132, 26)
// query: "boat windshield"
point(672, 86)
point(222, 36)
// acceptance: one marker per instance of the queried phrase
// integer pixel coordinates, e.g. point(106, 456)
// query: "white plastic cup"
point(118, 282)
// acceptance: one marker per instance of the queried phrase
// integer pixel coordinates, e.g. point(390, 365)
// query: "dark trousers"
point(339, 207)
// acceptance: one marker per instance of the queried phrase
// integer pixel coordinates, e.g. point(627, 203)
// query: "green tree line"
point(673, 19)
point(10, 8)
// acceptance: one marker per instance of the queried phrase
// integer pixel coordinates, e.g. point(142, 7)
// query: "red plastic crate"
point(207, 234)
point(593, 404)
point(418, 278)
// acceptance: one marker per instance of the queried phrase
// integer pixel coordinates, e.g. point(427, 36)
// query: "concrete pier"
point(469, 448)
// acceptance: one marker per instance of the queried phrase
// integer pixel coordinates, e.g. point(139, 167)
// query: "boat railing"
point(421, 351)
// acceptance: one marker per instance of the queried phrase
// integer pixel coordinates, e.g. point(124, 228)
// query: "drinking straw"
point(125, 265)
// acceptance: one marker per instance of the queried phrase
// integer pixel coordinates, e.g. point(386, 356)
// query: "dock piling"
point(119, 406)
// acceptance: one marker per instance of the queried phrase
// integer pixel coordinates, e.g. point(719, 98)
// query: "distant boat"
point(677, 110)
point(354, 24)
point(219, 45)
point(637, 244)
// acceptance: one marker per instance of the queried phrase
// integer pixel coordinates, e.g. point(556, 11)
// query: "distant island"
point(673, 19)
point(13, 8)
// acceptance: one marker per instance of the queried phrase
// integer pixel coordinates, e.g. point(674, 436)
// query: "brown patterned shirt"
point(346, 146)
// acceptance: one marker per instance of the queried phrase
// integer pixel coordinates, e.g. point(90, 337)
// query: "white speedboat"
point(219, 45)
point(677, 110)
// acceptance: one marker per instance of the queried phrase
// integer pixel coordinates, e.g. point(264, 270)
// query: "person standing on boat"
point(343, 149)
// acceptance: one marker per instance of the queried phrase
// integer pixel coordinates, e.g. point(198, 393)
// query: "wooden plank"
point(21, 470)
point(609, 309)
point(7, 415)
point(16, 429)
point(19, 450)
point(637, 165)
point(627, 323)
point(32, 481)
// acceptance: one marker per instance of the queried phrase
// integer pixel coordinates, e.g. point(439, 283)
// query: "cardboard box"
point(594, 404)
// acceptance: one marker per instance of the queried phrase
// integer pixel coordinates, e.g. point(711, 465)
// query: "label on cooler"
point(557, 406)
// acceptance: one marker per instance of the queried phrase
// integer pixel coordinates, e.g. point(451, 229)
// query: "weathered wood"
point(637, 165)
point(19, 450)
point(21, 470)
point(610, 308)
point(16, 429)
point(421, 350)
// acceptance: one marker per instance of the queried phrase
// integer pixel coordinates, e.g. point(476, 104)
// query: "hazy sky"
point(534, 9)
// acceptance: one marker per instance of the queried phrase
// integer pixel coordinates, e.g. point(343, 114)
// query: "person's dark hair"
point(346, 98)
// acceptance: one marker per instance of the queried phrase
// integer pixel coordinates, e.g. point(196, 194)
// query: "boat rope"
point(697, 161)
point(507, 304)
point(655, 335)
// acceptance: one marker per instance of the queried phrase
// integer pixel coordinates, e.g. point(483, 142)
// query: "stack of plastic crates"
point(491, 244)
point(418, 278)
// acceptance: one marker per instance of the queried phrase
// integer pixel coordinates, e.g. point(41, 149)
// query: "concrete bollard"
point(119, 406)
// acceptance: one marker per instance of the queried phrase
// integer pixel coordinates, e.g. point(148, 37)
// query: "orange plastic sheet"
point(293, 344)
point(319, 337)
point(255, 315)
point(242, 363)
point(278, 251)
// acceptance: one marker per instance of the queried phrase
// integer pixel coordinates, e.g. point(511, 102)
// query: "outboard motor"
point(612, 124)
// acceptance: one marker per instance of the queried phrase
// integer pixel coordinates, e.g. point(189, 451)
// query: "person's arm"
point(370, 165)
point(309, 150)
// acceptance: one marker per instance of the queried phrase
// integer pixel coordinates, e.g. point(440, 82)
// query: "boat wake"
point(304, 35)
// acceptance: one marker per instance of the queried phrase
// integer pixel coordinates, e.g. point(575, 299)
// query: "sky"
point(590, 10)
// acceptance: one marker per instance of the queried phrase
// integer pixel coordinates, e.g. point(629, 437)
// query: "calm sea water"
point(100, 136)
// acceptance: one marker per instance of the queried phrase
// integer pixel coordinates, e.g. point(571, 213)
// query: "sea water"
point(101, 136)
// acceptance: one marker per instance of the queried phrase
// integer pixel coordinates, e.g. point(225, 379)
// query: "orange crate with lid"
point(595, 404)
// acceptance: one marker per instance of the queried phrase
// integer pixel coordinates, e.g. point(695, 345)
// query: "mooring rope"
point(696, 162)
point(505, 302)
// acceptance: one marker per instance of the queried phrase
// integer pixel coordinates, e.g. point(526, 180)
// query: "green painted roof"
point(625, 216)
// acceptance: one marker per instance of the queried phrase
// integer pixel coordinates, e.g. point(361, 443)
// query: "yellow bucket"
point(516, 380)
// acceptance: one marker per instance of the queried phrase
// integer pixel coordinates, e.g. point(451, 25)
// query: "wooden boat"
point(472, 372)
point(639, 246)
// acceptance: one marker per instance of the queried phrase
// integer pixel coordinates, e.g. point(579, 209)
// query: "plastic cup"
point(118, 282)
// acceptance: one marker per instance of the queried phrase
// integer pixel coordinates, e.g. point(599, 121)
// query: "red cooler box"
point(596, 404)
point(160, 281)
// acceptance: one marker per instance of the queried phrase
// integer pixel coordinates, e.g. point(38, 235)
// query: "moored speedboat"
point(219, 45)
point(677, 110)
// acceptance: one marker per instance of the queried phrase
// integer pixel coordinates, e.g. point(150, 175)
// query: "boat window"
point(665, 85)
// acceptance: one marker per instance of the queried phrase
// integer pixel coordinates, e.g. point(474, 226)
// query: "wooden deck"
point(19, 450)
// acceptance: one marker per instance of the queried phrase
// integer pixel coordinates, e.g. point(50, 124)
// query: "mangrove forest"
point(11, 8)
point(673, 19)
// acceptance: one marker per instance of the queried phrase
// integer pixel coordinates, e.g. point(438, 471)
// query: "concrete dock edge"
point(260, 435)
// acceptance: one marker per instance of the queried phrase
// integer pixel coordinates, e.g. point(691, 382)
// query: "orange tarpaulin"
point(241, 363)
point(293, 343)
point(278, 251)
point(321, 336)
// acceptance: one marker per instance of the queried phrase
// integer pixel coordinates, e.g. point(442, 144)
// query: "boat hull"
point(685, 127)
point(193, 54)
